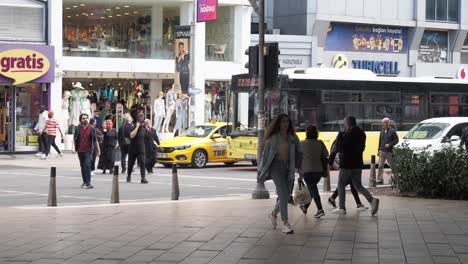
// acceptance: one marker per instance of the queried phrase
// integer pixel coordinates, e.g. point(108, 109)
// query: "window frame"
point(433, 17)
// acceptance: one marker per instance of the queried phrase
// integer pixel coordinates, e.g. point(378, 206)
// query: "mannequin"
point(208, 99)
point(76, 104)
point(159, 110)
point(181, 113)
point(86, 103)
point(170, 107)
point(65, 113)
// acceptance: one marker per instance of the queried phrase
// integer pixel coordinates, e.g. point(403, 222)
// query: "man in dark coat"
point(387, 140)
point(150, 148)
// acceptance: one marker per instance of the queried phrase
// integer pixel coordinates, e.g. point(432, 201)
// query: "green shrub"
point(439, 174)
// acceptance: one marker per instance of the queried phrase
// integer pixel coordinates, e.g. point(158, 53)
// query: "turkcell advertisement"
point(366, 38)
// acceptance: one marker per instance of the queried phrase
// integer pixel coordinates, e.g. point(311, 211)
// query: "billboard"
point(182, 48)
point(433, 47)
point(366, 38)
point(207, 10)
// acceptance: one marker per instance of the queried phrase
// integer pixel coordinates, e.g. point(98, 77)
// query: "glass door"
point(5, 135)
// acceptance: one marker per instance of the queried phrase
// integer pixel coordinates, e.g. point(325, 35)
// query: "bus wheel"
point(254, 162)
point(199, 159)
point(229, 164)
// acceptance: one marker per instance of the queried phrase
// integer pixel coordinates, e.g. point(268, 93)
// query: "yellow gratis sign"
point(23, 65)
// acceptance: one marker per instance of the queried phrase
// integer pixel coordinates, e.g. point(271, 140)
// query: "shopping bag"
point(301, 193)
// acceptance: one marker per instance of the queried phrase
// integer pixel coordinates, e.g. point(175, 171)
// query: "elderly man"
point(387, 140)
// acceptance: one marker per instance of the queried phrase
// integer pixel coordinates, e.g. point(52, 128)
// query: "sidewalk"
point(235, 230)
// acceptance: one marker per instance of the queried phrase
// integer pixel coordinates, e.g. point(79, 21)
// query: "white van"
point(435, 133)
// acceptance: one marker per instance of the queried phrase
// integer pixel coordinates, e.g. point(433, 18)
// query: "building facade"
point(397, 38)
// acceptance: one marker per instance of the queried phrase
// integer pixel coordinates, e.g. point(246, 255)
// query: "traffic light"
point(252, 64)
point(271, 64)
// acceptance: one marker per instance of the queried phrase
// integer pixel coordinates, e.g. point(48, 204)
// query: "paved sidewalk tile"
point(228, 231)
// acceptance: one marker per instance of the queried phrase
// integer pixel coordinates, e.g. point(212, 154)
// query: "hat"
point(78, 85)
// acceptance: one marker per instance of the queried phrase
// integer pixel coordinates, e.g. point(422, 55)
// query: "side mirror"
point(454, 138)
point(216, 135)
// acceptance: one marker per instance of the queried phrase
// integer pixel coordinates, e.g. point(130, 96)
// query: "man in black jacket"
point(85, 140)
point(387, 140)
point(124, 140)
point(350, 145)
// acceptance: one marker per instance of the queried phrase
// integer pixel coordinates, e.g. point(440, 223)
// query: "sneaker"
point(59, 155)
point(89, 186)
point(303, 208)
point(338, 211)
point(83, 185)
point(92, 173)
point(273, 219)
point(129, 179)
point(44, 156)
point(38, 154)
point(287, 229)
point(332, 202)
point(104, 172)
point(150, 173)
point(144, 181)
point(319, 214)
point(362, 207)
point(291, 200)
point(375, 206)
point(124, 170)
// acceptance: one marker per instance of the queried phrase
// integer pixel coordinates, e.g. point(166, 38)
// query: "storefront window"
point(112, 30)
point(22, 20)
point(216, 100)
point(220, 36)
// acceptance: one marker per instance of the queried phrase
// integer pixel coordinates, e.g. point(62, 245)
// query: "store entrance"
point(5, 133)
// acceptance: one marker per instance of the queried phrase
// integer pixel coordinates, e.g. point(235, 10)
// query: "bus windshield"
point(426, 131)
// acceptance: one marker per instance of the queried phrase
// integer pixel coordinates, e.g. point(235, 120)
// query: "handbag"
point(324, 161)
point(126, 141)
point(301, 193)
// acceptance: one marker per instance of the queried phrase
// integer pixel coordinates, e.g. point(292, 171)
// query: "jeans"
point(384, 156)
point(353, 191)
point(279, 171)
point(85, 164)
point(42, 140)
point(353, 175)
point(132, 157)
point(123, 157)
point(51, 142)
point(312, 179)
point(93, 160)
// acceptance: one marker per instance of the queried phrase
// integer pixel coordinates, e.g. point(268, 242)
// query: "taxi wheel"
point(229, 163)
point(199, 159)
point(254, 162)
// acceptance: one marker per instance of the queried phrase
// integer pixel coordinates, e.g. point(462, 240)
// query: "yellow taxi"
point(197, 146)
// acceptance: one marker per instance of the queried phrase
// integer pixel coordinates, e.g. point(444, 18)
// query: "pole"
point(52, 199)
point(372, 172)
point(193, 26)
point(175, 183)
point(115, 198)
point(260, 191)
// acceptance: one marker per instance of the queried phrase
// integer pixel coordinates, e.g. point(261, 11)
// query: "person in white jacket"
point(42, 137)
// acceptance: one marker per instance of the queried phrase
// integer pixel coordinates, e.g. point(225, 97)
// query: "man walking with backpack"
point(85, 141)
point(351, 144)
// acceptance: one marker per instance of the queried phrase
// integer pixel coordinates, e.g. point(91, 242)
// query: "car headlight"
point(182, 147)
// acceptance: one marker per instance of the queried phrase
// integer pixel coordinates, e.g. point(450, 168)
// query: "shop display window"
point(216, 101)
point(107, 29)
point(219, 39)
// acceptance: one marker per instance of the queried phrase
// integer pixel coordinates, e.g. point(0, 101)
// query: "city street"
point(25, 182)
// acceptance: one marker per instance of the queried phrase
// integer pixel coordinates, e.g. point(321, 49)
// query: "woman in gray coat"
point(278, 163)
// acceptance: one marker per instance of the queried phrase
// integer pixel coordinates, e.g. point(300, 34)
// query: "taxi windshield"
point(198, 131)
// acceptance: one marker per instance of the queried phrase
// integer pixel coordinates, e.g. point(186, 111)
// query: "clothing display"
point(159, 109)
point(181, 115)
point(75, 107)
point(170, 107)
point(208, 107)
point(64, 113)
point(85, 103)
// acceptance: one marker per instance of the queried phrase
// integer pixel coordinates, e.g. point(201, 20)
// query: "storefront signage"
point(433, 47)
point(207, 10)
point(26, 63)
point(182, 32)
point(378, 67)
point(463, 73)
point(366, 38)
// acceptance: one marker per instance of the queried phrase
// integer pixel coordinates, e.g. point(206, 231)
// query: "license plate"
point(250, 156)
point(161, 155)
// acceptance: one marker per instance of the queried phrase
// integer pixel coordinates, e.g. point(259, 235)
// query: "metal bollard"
point(372, 182)
point(115, 198)
point(326, 182)
point(175, 183)
point(52, 199)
